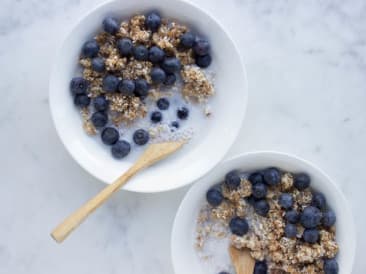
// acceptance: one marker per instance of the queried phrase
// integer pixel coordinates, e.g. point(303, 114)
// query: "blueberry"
point(232, 179)
point(272, 176)
point(110, 136)
point(141, 137)
point(301, 181)
point(121, 149)
point(182, 113)
point(251, 200)
point(261, 207)
point(214, 196)
point(175, 124)
point(239, 226)
point(171, 65)
point(140, 53)
point(201, 47)
point(125, 47)
point(99, 119)
point(78, 85)
point(286, 200)
point(256, 178)
point(163, 103)
point(319, 200)
point(110, 83)
point(156, 117)
point(100, 103)
point(187, 40)
point(290, 231)
point(82, 100)
point(110, 25)
point(330, 266)
point(259, 190)
point(156, 54)
point(158, 75)
point(260, 267)
point(224, 272)
point(153, 21)
point(203, 61)
point(97, 64)
point(311, 235)
point(141, 88)
point(310, 217)
point(329, 218)
point(292, 216)
point(126, 87)
point(170, 79)
point(90, 48)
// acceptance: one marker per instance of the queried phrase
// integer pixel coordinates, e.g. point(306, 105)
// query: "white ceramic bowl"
point(205, 150)
point(185, 259)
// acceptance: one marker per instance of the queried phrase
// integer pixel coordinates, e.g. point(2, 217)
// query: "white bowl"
point(185, 259)
point(196, 158)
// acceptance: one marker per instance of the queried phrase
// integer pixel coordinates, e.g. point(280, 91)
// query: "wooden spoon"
point(152, 154)
point(242, 260)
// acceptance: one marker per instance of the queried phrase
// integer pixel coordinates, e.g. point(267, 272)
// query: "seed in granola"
point(153, 21)
point(98, 64)
point(125, 47)
point(81, 100)
point(158, 75)
point(90, 48)
point(110, 83)
point(140, 53)
point(110, 25)
point(302, 181)
point(203, 61)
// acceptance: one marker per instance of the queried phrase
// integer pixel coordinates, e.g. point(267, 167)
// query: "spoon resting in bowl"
point(242, 260)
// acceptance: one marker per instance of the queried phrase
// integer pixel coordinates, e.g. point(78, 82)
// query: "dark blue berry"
point(156, 54)
point(101, 103)
point(272, 176)
point(171, 65)
point(261, 207)
point(310, 217)
point(330, 266)
point(259, 190)
point(232, 179)
point(141, 88)
point(311, 235)
point(319, 200)
point(82, 100)
point(158, 75)
point(156, 117)
point(286, 200)
point(97, 64)
point(201, 47)
point(78, 85)
point(126, 87)
point(110, 136)
point(170, 79)
point(187, 40)
point(125, 47)
point(99, 119)
point(121, 149)
point(153, 21)
point(301, 181)
point(203, 61)
point(260, 267)
point(290, 231)
point(224, 272)
point(90, 48)
point(140, 53)
point(256, 178)
point(110, 83)
point(329, 218)
point(238, 226)
point(141, 137)
point(292, 216)
point(175, 124)
point(163, 103)
point(214, 196)
point(251, 200)
point(182, 113)
point(110, 25)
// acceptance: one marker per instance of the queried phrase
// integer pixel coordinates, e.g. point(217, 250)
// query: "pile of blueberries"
point(163, 72)
point(316, 215)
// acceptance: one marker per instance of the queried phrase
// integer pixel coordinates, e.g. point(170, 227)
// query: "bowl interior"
point(184, 256)
point(206, 148)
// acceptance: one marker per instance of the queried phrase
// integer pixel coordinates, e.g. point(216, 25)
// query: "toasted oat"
point(87, 124)
point(196, 84)
point(125, 109)
point(287, 181)
point(137, 69)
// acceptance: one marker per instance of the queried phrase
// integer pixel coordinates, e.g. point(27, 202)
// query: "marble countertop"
point(306, 63)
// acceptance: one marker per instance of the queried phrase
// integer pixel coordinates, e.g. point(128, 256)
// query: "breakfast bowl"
point(205, 149)
point(188, 233)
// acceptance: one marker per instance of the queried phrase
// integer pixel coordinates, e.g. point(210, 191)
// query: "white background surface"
point(306, 63)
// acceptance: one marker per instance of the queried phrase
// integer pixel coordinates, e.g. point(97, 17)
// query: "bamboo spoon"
point(242, 261)
point(152, 154)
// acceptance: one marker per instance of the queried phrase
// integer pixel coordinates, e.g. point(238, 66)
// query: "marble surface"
point(306, 63)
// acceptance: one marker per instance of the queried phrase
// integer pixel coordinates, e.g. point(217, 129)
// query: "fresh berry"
point(99, 119)
point(125, 47)
point(286, 200)
point(224, 272)
point(175, 124)
point(110, 83)
point(153, 21)
point(171, 65)
point(110, 25)
point(140, 53)
point(163, 103)
point(201, 47)
point(301, 181)
point(110, 135)
point(232, 179)
point(187, 40)
point(121, 149)
point(182, 113)
point(156, 117)
point(292, 216)
point(238, 226)
point(214, 196)
point(251, 200)
point(261, 207)
point(319, 200)
point(329, 218)
point(156, 54)
point(203, 61)
point(97, 64)
point(310, 217)
point(126, 87)
point(82, 100)
point(330, 266)
point(272, 176)
point(170, 79)
point(158, 75)
point(290, 231)
point(259, 190)
point(260, 267)
point(141, 88)
point(311, 235)
point(78, 85)
point(141, 137)
point(100, 103)
point(256, 178)
point(90, 48)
